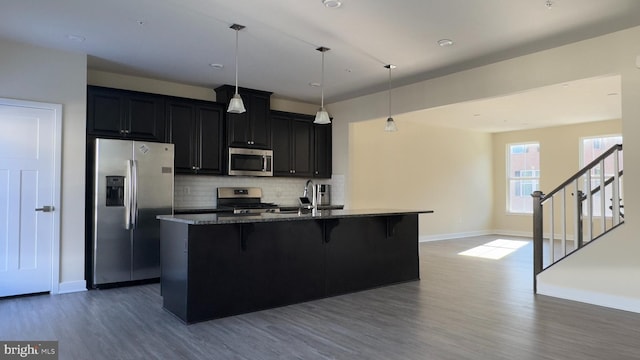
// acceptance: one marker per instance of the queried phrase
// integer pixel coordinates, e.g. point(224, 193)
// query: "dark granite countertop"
point(225, 218)
point(211, 210)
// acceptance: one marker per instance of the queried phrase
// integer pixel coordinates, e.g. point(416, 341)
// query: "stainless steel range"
point(244, 200)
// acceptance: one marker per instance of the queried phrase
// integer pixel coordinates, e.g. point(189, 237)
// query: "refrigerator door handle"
point(128, 195)
point(134, 202)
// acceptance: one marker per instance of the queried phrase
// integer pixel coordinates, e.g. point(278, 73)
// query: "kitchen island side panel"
point(174, 266)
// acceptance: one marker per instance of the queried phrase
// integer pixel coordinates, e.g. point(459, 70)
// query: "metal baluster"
point(603, 199)
point(615, 189)
point(577, 210)
point(552, 257)
point(564, 221)
point(589, 200)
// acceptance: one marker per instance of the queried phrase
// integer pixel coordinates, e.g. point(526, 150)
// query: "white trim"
point(528, 234)
point(427, 238)
point(57, 181)
point(72, 286)
point(589, 297)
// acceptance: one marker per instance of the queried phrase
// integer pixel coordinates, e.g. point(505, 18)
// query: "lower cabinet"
point(212, 271)
point(386, 248)
point(283, 266)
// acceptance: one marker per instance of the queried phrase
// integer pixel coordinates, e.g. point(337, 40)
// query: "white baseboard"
point(72, 286)
point(528, 234)
point(437, 237)
point(589, 297)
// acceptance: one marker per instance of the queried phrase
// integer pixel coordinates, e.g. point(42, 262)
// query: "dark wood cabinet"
point(292, 142)
point(252, 128)
point(215, 270)
point(300, 147)
point(196, 130)
point(322, 151)
point(115, 113)
point(387, 252)
point(283, 267)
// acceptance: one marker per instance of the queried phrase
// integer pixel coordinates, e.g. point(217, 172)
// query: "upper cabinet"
point(196, 129)
point(126, 114)
point(322, 151)
point(252, 128)
point(300, 147)
point(292, 141)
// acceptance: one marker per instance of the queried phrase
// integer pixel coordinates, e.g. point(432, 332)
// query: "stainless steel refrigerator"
point(132, 184)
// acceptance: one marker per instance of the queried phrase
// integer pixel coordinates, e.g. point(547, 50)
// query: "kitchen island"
point(216, 265)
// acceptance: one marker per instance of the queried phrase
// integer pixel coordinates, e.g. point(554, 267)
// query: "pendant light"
point(322, 116)
point(391, 125)
point(236, 105)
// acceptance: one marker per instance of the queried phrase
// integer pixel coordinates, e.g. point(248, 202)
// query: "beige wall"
point(559, 160)
point(38, 74)
point(423, 167)
point(603, 273)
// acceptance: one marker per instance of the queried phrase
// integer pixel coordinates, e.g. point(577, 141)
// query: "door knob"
point(46, 208)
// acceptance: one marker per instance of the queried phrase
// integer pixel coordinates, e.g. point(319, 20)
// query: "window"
point(591, 148)
point(523, 176)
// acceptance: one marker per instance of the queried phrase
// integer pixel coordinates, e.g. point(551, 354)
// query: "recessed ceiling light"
point(445, 42)
point(216, 66)
point(332, 3)
point(76, 38)
point(314, 84)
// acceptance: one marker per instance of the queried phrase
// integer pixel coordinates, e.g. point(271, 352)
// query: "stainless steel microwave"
point(250, 162)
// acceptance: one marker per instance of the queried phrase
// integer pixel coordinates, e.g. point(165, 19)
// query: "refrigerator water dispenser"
point(115, 191)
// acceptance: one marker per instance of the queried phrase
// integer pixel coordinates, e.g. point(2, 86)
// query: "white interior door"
point(28, 196)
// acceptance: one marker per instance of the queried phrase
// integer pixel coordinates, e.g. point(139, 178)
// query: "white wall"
point(38, 74)
point(611, 270)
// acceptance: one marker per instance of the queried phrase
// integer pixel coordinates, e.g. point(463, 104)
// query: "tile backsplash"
point(193, 192)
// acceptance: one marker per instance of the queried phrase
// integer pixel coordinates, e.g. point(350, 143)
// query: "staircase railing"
point(588, 191)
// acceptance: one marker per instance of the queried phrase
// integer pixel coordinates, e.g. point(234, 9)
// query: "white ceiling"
point(581, 101)
point(176, 40)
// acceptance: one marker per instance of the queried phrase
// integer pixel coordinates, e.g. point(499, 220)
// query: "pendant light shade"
point(391, 125)
point(236, 105)
point(322, 116)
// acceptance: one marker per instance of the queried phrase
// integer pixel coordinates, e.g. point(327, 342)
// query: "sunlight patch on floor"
point(495, 250)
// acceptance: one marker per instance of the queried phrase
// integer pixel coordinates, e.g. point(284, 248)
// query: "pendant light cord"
point(389, 90)
point(322, 84)
point(237, 60)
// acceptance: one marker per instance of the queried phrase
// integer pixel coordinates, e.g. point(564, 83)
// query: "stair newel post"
point(537, 236)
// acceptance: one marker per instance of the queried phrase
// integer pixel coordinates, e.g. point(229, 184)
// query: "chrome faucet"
point(314, 199)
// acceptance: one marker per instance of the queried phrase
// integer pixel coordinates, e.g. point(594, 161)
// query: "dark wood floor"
point(463, 308)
